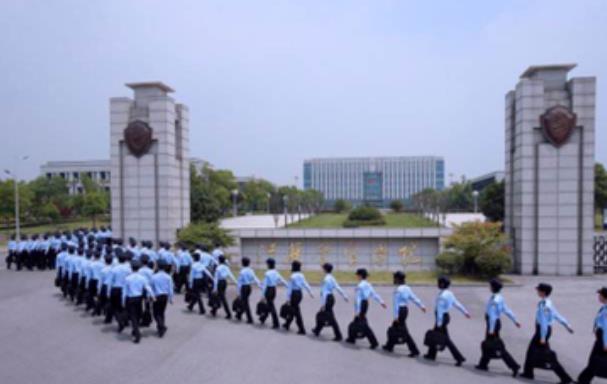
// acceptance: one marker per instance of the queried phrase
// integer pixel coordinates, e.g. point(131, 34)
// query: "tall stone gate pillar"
point(150, 164)
point(549, 213)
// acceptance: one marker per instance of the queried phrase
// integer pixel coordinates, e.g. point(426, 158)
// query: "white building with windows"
point(75, 171)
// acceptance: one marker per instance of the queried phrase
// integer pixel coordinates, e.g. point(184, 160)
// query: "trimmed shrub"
point(396, 206)
point(364, 216)
point(209, 234)
point(341, 205)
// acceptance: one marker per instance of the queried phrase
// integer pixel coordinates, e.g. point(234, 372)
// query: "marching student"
point(545, 315)
point(209, 263)
point(598, 356)
point(60, 267)
point(444, 302)
point(83, 265)
point(93, 278)
point(104, 287)
point(147, 272)
point(246, 279)
point(364, 292)
point(196, 283)
point(162, 285)
point(403, 294)
point(271, 279)
point(12, 252)
point(184, 261)
point(21, 252)
point(496, 306)
point(118, 275)
point(222, 273)
point(132, 299)
point(297, 283)
point(327, 301)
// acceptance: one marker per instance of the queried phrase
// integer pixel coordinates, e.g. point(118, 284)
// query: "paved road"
point(46, 340)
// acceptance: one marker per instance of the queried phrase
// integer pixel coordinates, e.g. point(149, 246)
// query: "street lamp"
point(234, 207)
point(16, 182)
point(475, 195)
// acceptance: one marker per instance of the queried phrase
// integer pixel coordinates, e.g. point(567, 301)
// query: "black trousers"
point(134, 309)
point(158, 309)
point(91, 294)
point(41, 261)
point(270, 295)
point(198, 286)
point(401, 322)
point(51, 256)
point(181, 277)
point(245, 293)
point(328, 310)
point(115, 308)
point(65, 284)
point(20, 258)
point(361, 319)
point(597, 350)
point(81, 291)
point(450, 345)
point(296, 297)
point(74, 282)
point(10, 258)
point(508, 359)
point(102, 301)
point(531, 351)
point(222, 286)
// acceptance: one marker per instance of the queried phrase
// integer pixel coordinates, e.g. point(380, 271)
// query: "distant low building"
point(481, 182)
point(373, 180)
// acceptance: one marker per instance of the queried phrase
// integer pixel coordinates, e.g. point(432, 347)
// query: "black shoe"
point(373, 346)
point(337, 338)
point(286, 327)
point(481, 368)
point(386, 348)
point(413, 355)
point(301, 332)
point(316, 332)
point(121, 326)
point(228, 317)
point(275, 326)
point(527, 376)
point(459, 363)
point(350, 341)
point(515, 372)
point(249, 321)
point(136, 339)
point(428, 357)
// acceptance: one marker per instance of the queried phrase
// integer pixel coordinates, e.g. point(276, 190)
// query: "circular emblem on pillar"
point(138, 137)
point(557, 124)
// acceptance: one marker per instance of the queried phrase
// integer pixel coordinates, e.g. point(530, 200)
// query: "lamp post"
point(475, 196)
point(234, 207)
point(16, 182)
point(285, 201)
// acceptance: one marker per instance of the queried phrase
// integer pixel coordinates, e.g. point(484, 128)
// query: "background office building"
point(373, 180)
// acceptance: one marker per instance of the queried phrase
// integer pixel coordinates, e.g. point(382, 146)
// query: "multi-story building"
point(481, 182)
point(373, 180)
point(97, 170)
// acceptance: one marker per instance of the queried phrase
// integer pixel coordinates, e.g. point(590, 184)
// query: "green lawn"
point(4, 234)
point(393, 220)
point(379, 277)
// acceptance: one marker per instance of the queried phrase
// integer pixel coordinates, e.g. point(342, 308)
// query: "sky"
point(271, 83)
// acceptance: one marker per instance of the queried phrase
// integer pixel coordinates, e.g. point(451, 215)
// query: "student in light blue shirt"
point(271, 280)
point(162, 285)
point(12, 252)
point(599, 350)
point(445, 300)
point(118, 275)
point(220, 285)
point(360, 325)
point(496, 306)
point(297, 284)
point(105, 284)
point(196, 284)
point(545, 315)
point(93, 276)
point(136, 288)
point(326, 316)
point(184, 262)
point(403, 295)
point(246, 279)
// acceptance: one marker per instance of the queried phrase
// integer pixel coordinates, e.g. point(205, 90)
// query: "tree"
point(312, 200)
point(492, 202)
point(256, 194)
point(396, 205)
point(600, 187)
point(52, 190)
point(459, 197)
point(94, 203)
point(341, 205)
point(209, 234)
point(210, 193)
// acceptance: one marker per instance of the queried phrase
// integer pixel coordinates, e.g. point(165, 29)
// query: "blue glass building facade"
point(373, 180)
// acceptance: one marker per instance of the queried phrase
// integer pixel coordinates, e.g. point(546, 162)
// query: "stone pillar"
point(550, 171)
point(150, 164)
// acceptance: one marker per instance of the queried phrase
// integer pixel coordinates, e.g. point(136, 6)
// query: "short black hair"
point(245, 261)
point(296, 266)
point(545, 288)
point(496, 285)
point(271, 263)
point(328, 267)
point(443, 282)
point(196, 256)
point(399, 277)
point(362, 272)
point(222, 259)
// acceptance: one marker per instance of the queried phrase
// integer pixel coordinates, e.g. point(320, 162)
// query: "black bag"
point(286, 312)
point(544, 358)
point(57, 281)
point(237, 305)
point(493, 348)
point(398, 334)
point(600, 365)
point(322, 319)
point(189, 296)
point(146, 318)
point(262, 309)
point(357, 328)
point(435, 339)
point(214, 302)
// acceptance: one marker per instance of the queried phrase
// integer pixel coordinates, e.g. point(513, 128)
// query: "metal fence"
point(600, 253)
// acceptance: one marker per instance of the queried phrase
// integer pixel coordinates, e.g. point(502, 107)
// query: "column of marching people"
point(132, 285)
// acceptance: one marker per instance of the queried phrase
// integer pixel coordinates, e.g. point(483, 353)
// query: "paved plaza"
point(46, 339)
